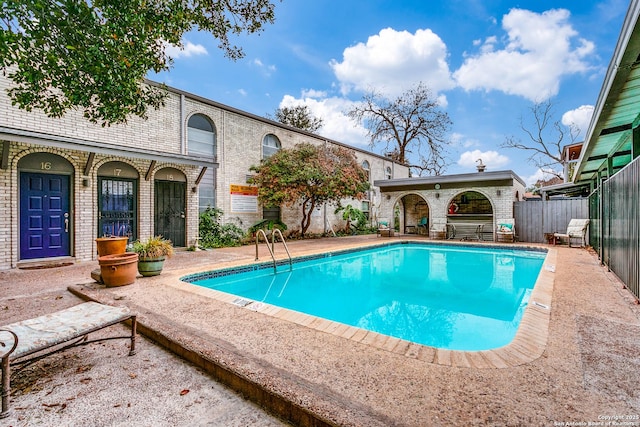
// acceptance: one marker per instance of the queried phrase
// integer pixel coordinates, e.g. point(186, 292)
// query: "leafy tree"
point(299, 117)
point(309, 175)
point(546, 138)
point(413, 122)
point(93, 55)
point(355, 218)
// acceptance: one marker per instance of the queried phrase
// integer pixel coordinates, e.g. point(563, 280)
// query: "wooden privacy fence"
point(534, 218)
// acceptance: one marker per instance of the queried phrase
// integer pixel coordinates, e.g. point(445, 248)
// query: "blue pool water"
point(451, 297)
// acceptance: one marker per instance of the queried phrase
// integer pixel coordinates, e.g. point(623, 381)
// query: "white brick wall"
point(502, 205)
point(239, 146)
point(84, 203)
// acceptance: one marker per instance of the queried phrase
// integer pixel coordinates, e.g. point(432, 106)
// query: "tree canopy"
point(93, 55)
point(299, 117)
point(309, 175)
point(546, 138)
point(411, 123)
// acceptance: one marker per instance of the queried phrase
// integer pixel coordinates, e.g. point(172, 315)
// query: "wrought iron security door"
point(170, 211)
point(117, 207)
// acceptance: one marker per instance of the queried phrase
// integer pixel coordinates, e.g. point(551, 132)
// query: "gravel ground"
point(589, 370)
point(99, 384)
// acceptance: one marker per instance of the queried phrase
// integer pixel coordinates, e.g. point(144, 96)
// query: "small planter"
point(148, 267)
point(118, 269)
point(111, 245)
point(152, 252)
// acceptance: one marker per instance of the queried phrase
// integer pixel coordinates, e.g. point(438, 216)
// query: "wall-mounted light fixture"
point(437, 195)
point(85, 182)
point(498, 193)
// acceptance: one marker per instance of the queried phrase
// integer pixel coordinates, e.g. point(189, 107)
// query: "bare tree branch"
point(411, 124)
point(546, 138)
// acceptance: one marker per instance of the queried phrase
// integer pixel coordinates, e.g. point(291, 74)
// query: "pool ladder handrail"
point(272, 247)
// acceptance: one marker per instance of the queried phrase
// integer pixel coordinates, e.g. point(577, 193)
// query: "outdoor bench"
point(70, 326)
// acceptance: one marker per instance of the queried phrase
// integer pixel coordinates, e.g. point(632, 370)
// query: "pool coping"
point(528, 344)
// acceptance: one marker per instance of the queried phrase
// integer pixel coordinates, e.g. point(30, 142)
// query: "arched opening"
point(412, 215)
point(470, 216)
point(118, 200)
point(45, 187)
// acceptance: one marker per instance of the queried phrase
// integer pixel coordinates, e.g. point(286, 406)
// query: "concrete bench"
point(47, 334)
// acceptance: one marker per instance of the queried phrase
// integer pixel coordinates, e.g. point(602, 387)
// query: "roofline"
point(562, 187)
point(449, 179)
point(617, 70)
point(30, 137)
point(266, 120)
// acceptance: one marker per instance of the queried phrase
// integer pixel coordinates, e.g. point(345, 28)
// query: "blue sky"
point(487, 61)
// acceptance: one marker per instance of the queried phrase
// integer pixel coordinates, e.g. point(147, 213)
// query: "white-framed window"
point(201, 136)
point(366, 208)
point(367, 169)
point(201, 140)
point(270, 145)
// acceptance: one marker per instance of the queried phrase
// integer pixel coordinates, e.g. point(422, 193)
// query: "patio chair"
point(577, 229)
point(423, 225)
point(505, 230)
point(438, 229)
point(384, 229)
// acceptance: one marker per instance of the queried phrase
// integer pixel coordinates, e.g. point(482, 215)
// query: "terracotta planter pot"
point(119, 269)
point(148, 267)
point(111, 245)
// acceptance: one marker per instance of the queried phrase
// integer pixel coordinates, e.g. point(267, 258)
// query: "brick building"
point(66, 181)
point(475, 202)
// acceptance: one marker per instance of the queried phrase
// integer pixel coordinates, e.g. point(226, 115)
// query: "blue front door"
point(44, 215)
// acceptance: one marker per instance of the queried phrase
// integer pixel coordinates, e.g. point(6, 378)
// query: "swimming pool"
point(444, 296)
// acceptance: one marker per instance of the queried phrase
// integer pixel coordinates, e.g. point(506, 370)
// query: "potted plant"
point(151, 254)
point(111, 245)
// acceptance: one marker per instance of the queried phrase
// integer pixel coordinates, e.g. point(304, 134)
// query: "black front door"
point(117, 207)
point(170, 211)
point(44, 215)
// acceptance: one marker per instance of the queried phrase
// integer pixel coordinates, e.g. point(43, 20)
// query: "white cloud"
point(187, 50)
point(492, 159)
point(337, 125)
point(580, 118)
point(393, 61)
point(539, 175)
point(539, 50)
point(242, 92)
point(266, 69)
point(312, 93)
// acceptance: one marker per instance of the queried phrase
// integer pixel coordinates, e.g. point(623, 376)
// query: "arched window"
point(270, 145)
point(201, 140)
point(367, 169)
point(201, 135)
point(388, 172)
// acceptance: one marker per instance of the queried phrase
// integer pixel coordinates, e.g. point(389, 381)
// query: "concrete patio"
point(586, 367)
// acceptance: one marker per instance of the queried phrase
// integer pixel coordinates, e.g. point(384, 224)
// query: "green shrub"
point(216, 235)
point(267, 224)
point(356, 219)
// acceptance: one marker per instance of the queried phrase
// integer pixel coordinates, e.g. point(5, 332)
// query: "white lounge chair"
point(384, 228)
point(505, 230)
point(577, 229)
